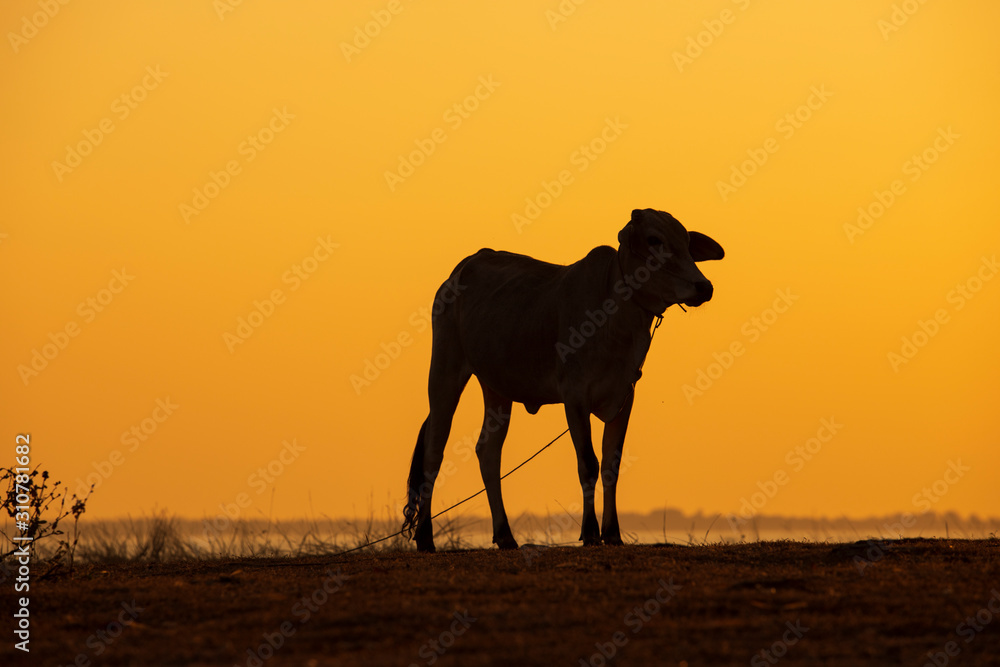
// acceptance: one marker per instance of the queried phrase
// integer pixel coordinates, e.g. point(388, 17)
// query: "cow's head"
point(657, 258)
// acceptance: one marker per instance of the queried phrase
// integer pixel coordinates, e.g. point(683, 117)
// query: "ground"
point(871, 603)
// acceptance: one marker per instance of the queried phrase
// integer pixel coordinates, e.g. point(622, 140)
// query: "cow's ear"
point(704, 247)
point(625, 235)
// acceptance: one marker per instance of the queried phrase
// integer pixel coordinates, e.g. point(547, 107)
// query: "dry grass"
point(162, 537)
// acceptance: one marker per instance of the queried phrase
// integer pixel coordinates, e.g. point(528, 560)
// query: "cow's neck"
point(630, 323)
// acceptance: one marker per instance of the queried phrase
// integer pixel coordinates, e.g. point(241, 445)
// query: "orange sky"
point(173, 167)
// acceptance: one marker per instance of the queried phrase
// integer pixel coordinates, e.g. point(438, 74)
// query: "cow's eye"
point(653, 240)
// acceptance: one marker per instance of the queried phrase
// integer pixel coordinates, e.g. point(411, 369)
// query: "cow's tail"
point(413, 484)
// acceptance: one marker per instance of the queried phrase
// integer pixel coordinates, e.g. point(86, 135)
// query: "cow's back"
point(507, 317)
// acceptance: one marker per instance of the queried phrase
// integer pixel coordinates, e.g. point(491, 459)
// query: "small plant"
point(34, 517)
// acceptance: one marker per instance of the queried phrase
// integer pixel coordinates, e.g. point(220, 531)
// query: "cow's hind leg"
point(579, 429)
point(488, 449)
point(448, 377)
point(611, 457)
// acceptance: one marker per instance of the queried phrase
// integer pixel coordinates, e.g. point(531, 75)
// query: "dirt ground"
point(910, 602)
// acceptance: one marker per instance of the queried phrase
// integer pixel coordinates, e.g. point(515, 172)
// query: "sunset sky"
point(216, 217)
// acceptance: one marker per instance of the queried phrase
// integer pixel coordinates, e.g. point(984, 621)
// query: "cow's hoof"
point(506, 543)
point(614, 541)
point(426, 547)
point(592, 541)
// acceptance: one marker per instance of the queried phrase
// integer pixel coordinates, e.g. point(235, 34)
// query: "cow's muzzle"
point(702, 293)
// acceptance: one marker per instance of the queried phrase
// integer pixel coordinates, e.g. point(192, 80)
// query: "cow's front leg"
point(611, 457)
point(579, 429)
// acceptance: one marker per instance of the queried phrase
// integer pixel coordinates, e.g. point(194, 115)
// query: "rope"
point(659, 321)
point(460, 502)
